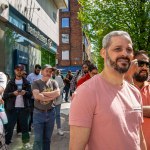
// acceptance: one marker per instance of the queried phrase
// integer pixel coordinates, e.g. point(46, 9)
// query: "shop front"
point(23, 43)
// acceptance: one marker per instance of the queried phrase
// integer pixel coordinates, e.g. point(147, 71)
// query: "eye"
point(130, 50)
point(117, 49)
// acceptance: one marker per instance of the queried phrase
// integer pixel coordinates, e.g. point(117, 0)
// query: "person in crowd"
point(24, 74)
point(78, 75)
point(3, 82)
point(67, 80)
point(56, 76)
point(45, 90)
point(8, 77)
point(59, 74)
point(106, 111)
point(32, 77)
point(92, 70)
point(35, 75)
point(16, 98)
point(138, 75)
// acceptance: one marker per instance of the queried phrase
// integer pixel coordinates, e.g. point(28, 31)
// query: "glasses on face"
point(141, 63)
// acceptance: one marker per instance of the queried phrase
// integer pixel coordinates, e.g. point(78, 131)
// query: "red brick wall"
point(75, 46)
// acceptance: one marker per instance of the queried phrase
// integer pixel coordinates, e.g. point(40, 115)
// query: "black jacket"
point(9, 98)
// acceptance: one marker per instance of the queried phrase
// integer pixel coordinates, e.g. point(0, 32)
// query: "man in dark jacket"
point(16, 99)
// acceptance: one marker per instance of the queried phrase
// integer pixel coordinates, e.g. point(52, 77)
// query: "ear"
point(103, 53)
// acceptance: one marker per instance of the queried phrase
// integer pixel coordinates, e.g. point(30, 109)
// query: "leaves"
point(98, 17)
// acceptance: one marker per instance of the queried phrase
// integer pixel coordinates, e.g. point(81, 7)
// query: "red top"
point(83, 79)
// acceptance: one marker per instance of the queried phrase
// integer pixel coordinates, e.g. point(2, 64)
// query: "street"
point(58, 142)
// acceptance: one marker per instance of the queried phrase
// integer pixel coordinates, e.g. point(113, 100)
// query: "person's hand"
point(132, 69)
point(16, 93)
point(22, 92)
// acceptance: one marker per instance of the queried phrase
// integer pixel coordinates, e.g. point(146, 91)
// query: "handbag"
point(3, 115)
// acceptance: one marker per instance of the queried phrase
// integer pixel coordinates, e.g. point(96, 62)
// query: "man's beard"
point(140, 78)
point(18, 75)
point(37, 73)
point(115, 66)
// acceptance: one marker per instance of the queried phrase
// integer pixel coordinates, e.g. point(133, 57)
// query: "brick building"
point(73, 46)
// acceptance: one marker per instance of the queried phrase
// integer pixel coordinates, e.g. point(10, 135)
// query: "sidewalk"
point(58, 142)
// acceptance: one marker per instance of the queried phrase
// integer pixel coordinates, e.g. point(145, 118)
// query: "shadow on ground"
point(58, 142)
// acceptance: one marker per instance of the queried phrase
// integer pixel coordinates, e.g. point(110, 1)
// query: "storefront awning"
point(67, 68)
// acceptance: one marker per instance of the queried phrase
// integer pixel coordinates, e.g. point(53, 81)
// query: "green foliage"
point(99, 17)
point(47, 57)
point(11, 36)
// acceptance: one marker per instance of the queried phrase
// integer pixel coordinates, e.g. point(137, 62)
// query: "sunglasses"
point(141, 63)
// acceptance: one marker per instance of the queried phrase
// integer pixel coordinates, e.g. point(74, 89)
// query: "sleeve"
point(80, 81)
point(82, 107)
point(55, 85)
point(34, 85)
point(61, 85)
point(3, 80)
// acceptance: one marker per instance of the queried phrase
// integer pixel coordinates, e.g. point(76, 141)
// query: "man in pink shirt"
point(106, 111)
point(140, 81)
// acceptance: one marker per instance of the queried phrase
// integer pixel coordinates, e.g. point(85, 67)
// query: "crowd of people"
point(34, 101)
point(109, 111)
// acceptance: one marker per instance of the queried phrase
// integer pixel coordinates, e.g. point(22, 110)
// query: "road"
point(58, 142)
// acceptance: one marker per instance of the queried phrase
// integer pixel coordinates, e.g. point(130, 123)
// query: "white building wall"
point(42, 18)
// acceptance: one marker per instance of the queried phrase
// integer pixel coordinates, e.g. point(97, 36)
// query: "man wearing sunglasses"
point(106, 112)
point(140, 81)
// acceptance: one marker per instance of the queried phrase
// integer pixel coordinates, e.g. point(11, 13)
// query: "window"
point(65, 22)
point(68, 7)
point(65, 38)
point(65, 55)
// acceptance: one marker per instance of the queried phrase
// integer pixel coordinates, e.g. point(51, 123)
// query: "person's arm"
point(146, 111)
point(52, 94)
point(39, 96)
point(142, 140)
point(78, 137)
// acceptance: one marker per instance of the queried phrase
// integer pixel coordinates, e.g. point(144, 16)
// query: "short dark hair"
point(92, 67)
point(37, 66)
point(86, 62)
point(140, 52)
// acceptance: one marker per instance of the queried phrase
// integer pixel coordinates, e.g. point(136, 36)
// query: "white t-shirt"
point(19, 99)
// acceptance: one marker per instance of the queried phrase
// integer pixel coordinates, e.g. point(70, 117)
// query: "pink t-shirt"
point(112, 112)
point(145, 92)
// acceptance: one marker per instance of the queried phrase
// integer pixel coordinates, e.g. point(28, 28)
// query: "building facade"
point(29, 33)
point(73, 47)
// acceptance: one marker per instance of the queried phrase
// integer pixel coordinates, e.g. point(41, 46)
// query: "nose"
point(127, 53)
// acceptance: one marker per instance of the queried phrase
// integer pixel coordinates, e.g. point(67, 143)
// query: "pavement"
point(58, 142)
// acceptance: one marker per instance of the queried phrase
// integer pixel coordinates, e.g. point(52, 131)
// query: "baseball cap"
point(19, 66)
point(47, 66)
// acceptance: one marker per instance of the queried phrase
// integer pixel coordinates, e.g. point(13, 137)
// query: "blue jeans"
point(22, 114)
point(43, 123)
point(57, 115)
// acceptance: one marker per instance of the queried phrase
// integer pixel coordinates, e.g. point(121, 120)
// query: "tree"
point(98, 17)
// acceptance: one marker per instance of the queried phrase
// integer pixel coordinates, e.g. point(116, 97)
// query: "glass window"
point(65, 38)
point(65, 22)
point(65, 55)
point(68, 7)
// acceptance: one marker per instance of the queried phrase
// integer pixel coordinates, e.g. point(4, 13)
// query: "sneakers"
point(27, 146)
point(60, 132)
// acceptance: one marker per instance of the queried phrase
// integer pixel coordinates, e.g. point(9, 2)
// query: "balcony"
point(61, 4)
